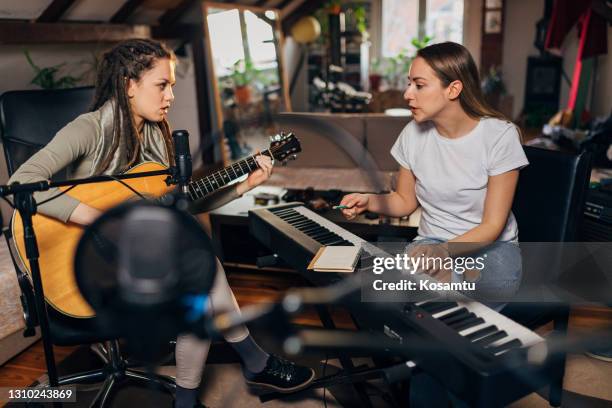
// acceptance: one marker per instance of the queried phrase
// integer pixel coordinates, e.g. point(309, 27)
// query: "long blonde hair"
point(453, 62)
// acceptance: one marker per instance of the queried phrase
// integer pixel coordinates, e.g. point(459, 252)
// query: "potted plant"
point(361, 22)
point(495, 92)
point(243, 73)
point(493, 85)
point(46, 77)
point(334, 7)
point(396, 67)
point(419, 43)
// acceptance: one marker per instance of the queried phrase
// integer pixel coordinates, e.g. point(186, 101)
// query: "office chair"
point(548, 206)
point(28, 121)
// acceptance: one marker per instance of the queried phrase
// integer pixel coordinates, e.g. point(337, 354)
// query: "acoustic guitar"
point(57, 241)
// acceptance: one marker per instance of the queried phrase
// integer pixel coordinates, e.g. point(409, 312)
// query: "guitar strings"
point(271, 150)
point(129, 187)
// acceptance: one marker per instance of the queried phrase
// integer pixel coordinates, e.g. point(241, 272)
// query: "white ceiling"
point(93, 10)
point(103, 10)
point(23, 9)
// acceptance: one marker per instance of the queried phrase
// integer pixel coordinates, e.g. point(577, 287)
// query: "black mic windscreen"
point(181, 142)
point(182, 158)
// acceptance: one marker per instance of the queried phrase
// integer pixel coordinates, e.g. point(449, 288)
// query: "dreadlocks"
point(128, 60)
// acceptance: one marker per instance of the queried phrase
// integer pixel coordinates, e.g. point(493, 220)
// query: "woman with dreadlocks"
point(128, 125)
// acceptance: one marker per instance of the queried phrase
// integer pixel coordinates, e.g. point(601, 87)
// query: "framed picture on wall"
point(493, 22)
point(492, 4)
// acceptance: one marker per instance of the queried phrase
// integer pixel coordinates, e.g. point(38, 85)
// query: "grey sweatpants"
point(191, 351)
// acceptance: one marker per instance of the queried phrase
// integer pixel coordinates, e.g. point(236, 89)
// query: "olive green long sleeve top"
point(79, 147)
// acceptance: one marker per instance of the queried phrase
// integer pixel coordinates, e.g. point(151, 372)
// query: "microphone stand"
point(23, 197)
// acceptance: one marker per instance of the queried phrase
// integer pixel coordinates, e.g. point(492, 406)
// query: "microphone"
point(182, 160)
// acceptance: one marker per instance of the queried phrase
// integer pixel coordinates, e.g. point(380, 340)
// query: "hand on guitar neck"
point(259, 176)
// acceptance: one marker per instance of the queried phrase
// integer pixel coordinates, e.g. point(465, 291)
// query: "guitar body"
point(57, 241)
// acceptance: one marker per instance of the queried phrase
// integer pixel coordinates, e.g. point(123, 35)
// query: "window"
point(400, 23)
point(261, 41)
point(225, 40)
point(444, 20)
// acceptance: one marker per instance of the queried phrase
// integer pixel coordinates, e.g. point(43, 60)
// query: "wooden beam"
point(173, 15)
point(306, 8)
point(205, 112)
point(48, 33)
point(55, 11)
point(126, 11)
point(186, 32)
point(283, 4)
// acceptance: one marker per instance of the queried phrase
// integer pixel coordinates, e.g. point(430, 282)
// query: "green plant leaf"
point(46, 77)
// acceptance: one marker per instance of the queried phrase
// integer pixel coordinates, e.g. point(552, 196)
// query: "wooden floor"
point(250, 288)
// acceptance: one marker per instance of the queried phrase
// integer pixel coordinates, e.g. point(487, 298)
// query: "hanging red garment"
point(565, 14)
point(593, 33)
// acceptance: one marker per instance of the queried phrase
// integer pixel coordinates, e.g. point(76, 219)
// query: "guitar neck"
point(202, 187)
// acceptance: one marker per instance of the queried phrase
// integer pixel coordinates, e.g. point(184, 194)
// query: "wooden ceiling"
point(47, 21)
point(124, 11)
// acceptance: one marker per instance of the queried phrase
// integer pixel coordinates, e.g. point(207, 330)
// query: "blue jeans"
point(502, 273)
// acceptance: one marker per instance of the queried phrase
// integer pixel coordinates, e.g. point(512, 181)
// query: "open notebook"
point(335, 259)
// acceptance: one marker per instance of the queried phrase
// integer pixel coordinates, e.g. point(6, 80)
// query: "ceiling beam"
point(306, 8)
point(51, 33)
point(173, 15)
point(55, 11)
point(283, 4)
point(128, 8)
point(186, 32)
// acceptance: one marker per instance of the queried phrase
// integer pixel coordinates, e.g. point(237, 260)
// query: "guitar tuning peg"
point(293, 157)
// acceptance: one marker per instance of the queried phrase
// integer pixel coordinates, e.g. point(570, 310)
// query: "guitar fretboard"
point(204, 186)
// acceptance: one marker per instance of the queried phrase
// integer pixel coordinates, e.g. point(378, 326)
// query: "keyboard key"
point(466, 324)
point(506, 346)
point(435, 307)
point(492, 338)
point(485, 331)
point(453, 316)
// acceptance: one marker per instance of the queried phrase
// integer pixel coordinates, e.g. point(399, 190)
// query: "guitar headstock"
point(285, 146)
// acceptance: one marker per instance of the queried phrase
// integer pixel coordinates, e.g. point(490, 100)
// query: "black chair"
point(548, 206)
point(28, 121)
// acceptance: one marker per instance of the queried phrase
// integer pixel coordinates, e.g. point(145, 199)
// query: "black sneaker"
point(603, 355)
point(280, 375)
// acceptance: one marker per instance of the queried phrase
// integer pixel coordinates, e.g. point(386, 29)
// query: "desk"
point(236, 247)
point(324, 178)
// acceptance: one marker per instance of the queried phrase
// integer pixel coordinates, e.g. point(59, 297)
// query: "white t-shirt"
point(452, 174)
